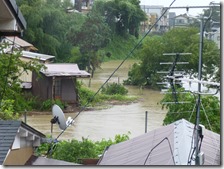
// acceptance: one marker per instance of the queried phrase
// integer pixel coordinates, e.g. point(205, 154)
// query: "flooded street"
point(118, 119)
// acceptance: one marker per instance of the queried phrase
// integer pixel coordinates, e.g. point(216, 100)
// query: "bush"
point(7, 111)
point(114, 88)
point(47, 104)
point(74, 150)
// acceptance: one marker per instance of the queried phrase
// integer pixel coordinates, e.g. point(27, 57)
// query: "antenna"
point(173, 73)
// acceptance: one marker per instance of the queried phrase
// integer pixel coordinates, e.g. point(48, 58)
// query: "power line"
point(166, 138)
point(128, 55)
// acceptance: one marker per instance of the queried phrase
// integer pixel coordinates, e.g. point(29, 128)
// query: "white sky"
point(192, 11)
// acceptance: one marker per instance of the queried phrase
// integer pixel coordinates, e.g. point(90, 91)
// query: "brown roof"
point(168, 145)
point(64, 69)
point(20, 42)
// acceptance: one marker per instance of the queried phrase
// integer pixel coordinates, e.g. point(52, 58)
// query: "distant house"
point(12, 22)
point(172, 16)
point(58, 81)
point(169, 145)
point(214, 35)
point(182, 20)
point(153, 12)
point(17, 142)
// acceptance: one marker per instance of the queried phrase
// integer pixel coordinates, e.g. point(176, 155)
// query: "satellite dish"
point(58, 117)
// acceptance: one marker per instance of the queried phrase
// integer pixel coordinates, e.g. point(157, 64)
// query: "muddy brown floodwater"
point(117, 119)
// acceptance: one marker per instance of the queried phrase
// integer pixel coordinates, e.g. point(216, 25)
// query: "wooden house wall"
point(44, 89)
point(42, 86)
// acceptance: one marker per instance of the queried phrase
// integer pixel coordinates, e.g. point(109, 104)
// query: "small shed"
point(17, 142)
point(169, 145)
point(58, 81)
point(27, 56)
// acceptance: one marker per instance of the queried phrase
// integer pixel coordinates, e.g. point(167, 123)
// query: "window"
point(57, 88)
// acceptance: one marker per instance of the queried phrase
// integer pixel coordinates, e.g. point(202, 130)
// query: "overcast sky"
point(181, 3)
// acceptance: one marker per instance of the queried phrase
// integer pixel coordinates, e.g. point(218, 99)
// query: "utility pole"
point(197, 151)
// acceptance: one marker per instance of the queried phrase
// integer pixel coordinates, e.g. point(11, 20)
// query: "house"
point(214, 35)
point(168, 145)
point(26, 56)
point(14, 42)
point(183, 20)
point(12, 22)
point(172, 16)
point(58, 81)
point(17, 142)
point(153, 12)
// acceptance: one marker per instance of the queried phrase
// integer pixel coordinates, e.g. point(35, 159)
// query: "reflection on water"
point(106, 123)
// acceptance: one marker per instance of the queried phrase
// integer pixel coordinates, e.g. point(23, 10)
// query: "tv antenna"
point(174, 73)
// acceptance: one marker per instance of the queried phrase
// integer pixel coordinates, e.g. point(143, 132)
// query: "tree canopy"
point(209, 109)
point(177, 40)
point(12, 101)
point(123, 16)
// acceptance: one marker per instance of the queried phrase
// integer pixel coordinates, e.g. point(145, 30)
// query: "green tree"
point(177, 40)
point(93, 35)
point(209, 110)
point(123, 16)
point(12, 101)
point(74, 150)
point(48, 26)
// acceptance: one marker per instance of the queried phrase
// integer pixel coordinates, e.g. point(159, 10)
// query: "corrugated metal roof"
point(64, 69)
point(168, 145)
point(34, 55)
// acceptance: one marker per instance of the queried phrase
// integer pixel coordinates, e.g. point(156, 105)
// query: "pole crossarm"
point(194, 81)
point(179, 7)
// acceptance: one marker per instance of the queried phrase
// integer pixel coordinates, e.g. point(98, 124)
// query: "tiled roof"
point(8, 131)
point(168, 145)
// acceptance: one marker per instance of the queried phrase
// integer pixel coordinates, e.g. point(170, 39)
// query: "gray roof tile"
point(8, 130)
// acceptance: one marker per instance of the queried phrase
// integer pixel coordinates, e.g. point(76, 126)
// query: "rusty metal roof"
point(64, 69)
point(168, 145)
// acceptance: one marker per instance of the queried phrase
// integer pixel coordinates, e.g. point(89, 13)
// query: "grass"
point(101, 99)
